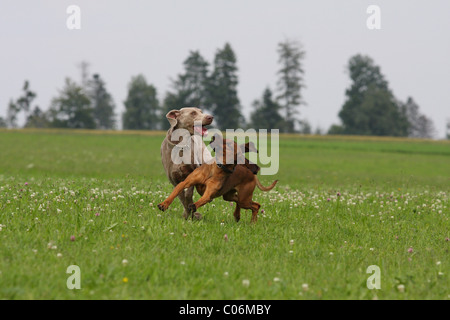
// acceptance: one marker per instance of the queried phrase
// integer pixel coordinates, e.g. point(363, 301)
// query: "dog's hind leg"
point(232, 197)
point(245, 201)
point(188, 201)
point(185, 202)
point(255, 209)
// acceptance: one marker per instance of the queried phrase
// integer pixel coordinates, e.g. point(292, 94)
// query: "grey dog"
point(193, 121)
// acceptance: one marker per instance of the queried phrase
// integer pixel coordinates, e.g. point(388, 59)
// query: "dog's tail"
point(262, 188)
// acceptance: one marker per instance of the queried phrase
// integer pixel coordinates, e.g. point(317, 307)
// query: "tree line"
point(370, 107)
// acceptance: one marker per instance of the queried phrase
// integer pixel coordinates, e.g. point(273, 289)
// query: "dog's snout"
point(209, 118)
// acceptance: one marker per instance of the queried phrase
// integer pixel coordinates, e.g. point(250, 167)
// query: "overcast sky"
point(121, 39)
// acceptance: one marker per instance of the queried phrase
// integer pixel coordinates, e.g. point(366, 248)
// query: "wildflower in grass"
point(291, 242)
point(410, 250)
point(225, 237)
point(72, 238)
point(262, 211)
point(51, 246)
point(97, 214)
point(26, 183)
point(305, 287)
point(338, 194)
point(245, 282)
point(401, 288)
point(225, 274)
point(125, 280)
point(328, 199)
point(59, 255)
point(124, 262)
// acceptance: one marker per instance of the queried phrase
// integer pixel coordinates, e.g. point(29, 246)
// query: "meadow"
point(342, 204)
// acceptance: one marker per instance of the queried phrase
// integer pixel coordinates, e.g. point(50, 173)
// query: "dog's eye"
point(193, 113)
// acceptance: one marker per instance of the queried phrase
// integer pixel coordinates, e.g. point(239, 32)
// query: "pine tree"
point(22, 104)
point(72, 108)
point(448, 129)
point(266, 113)
point(37, 119)
point(371, 108)
point(142, 110)
point(420, 126)
point(102, 103)
point(223, 97)
point(189, 89)
point(290, 82)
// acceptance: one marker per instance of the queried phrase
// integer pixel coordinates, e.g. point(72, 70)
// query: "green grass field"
point(342, 204)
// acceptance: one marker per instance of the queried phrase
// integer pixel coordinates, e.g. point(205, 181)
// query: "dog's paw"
point(162, 206)
point(192, 208)
point(197, 216)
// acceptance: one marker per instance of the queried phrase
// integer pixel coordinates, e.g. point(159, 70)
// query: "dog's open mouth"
point(201, 130)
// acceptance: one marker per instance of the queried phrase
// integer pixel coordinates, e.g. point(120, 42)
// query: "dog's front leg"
point(194, 178)
point(210, 192)
point(177, 191)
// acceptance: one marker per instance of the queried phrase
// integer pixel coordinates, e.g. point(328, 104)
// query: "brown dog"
point(235, 182)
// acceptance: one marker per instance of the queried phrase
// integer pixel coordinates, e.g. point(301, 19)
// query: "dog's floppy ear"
point(248, 147)
point(254, 168)
point(172, 116)
point(215, 137)
point(216, 142)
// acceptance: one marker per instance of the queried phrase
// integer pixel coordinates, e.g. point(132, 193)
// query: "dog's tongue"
point(203, 131)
